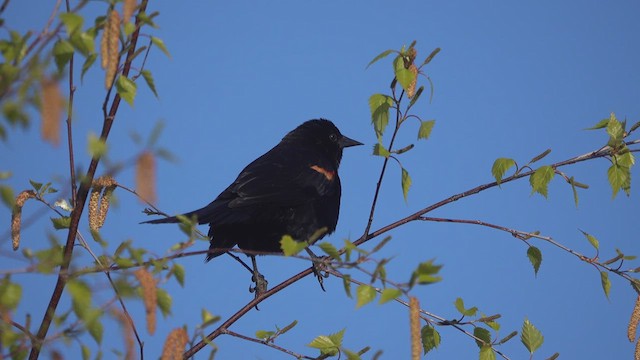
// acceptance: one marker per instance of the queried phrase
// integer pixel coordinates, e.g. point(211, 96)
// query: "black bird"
point(293, 189)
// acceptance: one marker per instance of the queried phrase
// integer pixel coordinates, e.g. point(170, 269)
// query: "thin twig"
point(267, 343)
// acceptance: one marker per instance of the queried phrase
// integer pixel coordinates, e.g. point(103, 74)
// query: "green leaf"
point(389, 294)
point(160, 44)
point(365, 294)
point(264, 335)
point(83, 42)
point(80, 298)
point(539, 157)
point(600, 125)
point(72, 22)
point(405, 76)
point(535, 257)
point(164, 301)
point(540, 179)
point(379, 104)
point(619, 178)
point(346, 282)
point(500, 167)
point(96, 330)
point(8, 196)
point(86, 352)
point(606, 284)
point(351, 355)
point(87, 64)
point(330, 250)
point(328, 345)
point(380, 150)
point(625, 158)
point(148, 78)
point(290, 246)
point(380, 56)
point(592, 240)
point(61, 222)
point(406, 183)
point(425, 129)
point(208, 318)
point(97, 147)
point(10, 294)
point(531, 337)
point(178, 272)
point(62, 53)
point(426, 273)
point(482, 334)
point(126, 88)
point(487, 353)
point(430, 338)
point(459, 303)
point(615, 131)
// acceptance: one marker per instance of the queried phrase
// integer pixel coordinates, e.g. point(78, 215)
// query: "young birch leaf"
point(379, 105)
point(425, 129)
point(380, 150)
point(405, 76)
point(531, 337)
point(600, 125)
point(379, 57)
point(62, 52)
point(482, 334)
point(389, 294)
point(592, 240)
point(346, 282)
point(72, 22)
point(487, 353)
point(330, 250)
point(500, 167)
point(148, 78)
point(291, 247)
point(430, 338)
point(606, 284)
point(459, 303)
point(126, 88)
point(406, 183)
point(264, 334)
point(535, 257)
point(61, 222)
point(619, 178)
point(160, 44)
point(87, 64)
point(540, 179)
point(328, 345)
point(365, 294)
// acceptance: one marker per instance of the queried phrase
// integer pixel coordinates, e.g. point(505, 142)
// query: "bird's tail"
point(201, 216)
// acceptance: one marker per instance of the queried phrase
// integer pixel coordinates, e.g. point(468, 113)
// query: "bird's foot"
point(319, 268)
point(260, 284)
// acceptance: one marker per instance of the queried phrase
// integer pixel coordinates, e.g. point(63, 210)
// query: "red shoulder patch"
point(328, 174)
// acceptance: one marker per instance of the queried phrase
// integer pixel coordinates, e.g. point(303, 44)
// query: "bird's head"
point(321, 135)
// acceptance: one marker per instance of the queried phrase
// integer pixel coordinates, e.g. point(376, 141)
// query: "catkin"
point(16, 216)
point(414, 320)
point(109, 47)
point(51, 111)
point(149, 297)
point(174, 345)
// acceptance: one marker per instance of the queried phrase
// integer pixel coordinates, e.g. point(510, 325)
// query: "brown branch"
point(79, 206)
point(267, 343)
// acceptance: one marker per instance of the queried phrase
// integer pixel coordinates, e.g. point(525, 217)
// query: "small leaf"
point(61, 222)
point(482, 334)
point(160, 44)
point(606, 283)
point(531, 337)
point(264, 335)
point(389, 294)
point(10, 294)
point(88, 62)
point(96, 330)
point(330, 250)
point(208, 318)
point(615, 131)
point(425, 129)
point(97, 147)
point(487, 353)
point(600, 125)
point(346, 282)
point(63, 204)
point(379, 57)
point(178, 272)
point(164, 301)
point(500, 167)
point(379, 105)
point(7, 195)
point(539, 157)
point(619, 178)
point(72, 22)
point(148, 78)
point(535, 257)
point(406, 183)
point(430, 338)
point(459, 303)
point(540, 179)
point(290, 246)
point(592, 240)
point(328, 345)
point(380, 150)
point(62, 53)
point(126, 88)
point(405, 76)
point(426, 273)
point(365, 294)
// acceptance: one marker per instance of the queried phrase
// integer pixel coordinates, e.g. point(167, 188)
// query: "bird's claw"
point(260, 285)
point(319, 270)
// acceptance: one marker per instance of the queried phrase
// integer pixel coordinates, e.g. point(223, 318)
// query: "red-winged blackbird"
point(293, 189)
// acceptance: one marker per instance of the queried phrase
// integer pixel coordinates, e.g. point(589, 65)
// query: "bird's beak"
point(346, 142)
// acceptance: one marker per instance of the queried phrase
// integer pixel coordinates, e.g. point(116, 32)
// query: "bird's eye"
point(333, 137)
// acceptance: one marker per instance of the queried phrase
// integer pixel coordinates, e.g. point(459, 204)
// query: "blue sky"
point(512, 80)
